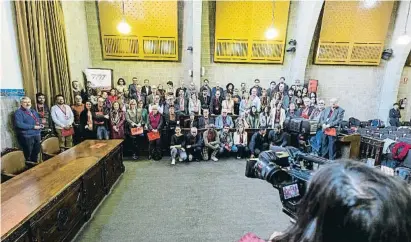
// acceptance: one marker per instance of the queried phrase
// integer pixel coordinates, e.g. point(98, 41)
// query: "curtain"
point(43, 49)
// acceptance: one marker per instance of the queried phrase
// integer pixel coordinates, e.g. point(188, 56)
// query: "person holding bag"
point(136, 117)
point(155, 125)
point(63, 119)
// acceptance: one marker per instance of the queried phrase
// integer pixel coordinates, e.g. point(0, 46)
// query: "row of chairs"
point(13, 161)
point(401, 134)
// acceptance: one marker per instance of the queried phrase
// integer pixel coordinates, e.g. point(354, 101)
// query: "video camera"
point(288, 170)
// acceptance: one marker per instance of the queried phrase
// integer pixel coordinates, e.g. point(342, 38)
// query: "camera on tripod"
point(288, 170)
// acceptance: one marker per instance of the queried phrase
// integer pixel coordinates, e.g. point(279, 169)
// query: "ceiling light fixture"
point(405, 39)
point(369, 3)
point(271, 32)
point(123, 27)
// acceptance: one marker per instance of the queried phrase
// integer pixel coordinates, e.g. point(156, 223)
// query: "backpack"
point(354, 122)
point(404, 173)
point(400, 151)
point(156, 154)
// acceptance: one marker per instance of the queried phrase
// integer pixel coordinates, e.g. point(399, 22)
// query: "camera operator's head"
point(349, 201)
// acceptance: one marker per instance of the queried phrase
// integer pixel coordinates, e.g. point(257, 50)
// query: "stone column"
point(391, 76)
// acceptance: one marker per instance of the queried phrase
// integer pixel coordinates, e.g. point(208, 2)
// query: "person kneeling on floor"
point(193, 145)
point(177, 146)
point(278, 137)
point(211, 142)
point(259, 142)
point(226, 141)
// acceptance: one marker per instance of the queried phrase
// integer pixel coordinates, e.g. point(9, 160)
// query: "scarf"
point(154, 120)
point(115, 116)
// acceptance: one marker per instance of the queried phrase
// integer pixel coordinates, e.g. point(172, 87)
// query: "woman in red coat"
point(117, 119)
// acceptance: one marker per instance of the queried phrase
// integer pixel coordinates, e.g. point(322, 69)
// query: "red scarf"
point(154, 120)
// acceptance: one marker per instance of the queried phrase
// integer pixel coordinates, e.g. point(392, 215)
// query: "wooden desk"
point(354, 141)
point(51, 201)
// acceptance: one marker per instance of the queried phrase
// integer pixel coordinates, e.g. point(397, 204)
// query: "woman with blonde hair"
point(136, 117)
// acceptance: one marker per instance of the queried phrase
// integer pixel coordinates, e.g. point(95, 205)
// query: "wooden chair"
point(50, 147)
point(13, 163)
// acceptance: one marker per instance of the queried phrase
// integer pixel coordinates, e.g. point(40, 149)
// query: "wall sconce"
point(292, 46)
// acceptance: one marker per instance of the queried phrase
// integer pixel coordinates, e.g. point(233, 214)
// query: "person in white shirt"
point(228, 104)
point(63, 119)
point(194, 105)
point(255, 99)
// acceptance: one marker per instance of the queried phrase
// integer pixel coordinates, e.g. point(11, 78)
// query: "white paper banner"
point(99, 78)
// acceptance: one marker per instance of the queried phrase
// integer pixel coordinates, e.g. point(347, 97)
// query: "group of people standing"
point(135, 110)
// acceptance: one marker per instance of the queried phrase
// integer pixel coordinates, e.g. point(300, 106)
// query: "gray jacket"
point(336, 117)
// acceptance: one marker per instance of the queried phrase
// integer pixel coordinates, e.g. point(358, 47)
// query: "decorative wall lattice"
point(240, 31)
point(154, 30)
point(352, 34)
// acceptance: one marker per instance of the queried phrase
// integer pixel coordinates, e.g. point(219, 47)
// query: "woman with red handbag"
point(136, 117)
point(155, 125)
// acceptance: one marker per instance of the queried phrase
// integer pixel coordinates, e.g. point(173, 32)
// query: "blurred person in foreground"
point(349, 201)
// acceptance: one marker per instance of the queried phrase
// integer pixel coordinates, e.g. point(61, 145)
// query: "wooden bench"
point(53, 200)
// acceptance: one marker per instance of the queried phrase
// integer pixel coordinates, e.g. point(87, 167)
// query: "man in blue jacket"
point(28, 127)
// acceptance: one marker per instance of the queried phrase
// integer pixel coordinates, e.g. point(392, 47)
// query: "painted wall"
point(156, 72)
point(11, 83)
point(77, 38)
point(11, 77)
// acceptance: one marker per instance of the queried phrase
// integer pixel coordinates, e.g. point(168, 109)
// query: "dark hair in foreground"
point(348, 201)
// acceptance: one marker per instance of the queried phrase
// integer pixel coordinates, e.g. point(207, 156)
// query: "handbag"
point(330, 131)
point(136, 130)
point(67, 132)
point(153, 136)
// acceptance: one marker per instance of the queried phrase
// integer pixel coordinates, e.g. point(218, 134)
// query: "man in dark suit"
point(216, 103)
point(132, 89)
point(205, 99)
point(181, 103)
point(205, 120)
point(146, 88)
point(395, 115)
point(191, 122)
point(329, 121)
